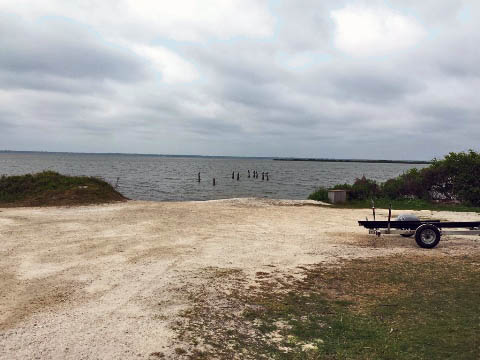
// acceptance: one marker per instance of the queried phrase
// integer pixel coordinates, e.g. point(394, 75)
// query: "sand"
point(105, 281)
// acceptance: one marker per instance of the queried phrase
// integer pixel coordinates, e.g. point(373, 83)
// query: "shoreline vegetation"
point(49, 188)
point(451, 184)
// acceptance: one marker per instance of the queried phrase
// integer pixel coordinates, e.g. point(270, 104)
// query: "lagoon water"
point(166, 178)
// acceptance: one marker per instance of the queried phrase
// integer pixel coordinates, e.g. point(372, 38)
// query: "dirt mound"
point(50, 188)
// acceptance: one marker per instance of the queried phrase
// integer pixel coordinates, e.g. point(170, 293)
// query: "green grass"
point(408, 310)
point(390, 308)
point(51, 188)
point(408, 204)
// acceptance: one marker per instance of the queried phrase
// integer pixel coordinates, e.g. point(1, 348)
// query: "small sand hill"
point(49, 188)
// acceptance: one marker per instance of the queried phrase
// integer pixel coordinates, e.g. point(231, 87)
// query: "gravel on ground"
point(105, 281)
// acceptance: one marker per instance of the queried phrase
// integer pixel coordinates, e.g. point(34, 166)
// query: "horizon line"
point(285, 158)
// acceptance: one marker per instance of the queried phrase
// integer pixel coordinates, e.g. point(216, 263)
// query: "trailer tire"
point(427, 236)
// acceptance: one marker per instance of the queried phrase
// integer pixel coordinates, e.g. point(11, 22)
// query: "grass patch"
point(408, 204)
point(387, 308)
point(50, 188)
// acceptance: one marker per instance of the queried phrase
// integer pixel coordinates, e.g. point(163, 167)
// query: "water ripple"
point(173, 178)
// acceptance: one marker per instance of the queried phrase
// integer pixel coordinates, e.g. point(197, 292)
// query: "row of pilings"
point(254, 174)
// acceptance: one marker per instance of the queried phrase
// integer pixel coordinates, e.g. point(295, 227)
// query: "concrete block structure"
point(337, 196)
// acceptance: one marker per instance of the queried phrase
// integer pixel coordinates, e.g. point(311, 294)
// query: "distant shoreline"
point(135, 154)
point(410, 162)
point(223, 157)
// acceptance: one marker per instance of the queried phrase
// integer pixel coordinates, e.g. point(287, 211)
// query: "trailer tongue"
point(427, 232)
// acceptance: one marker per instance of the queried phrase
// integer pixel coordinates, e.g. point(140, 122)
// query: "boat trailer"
point(427, 232)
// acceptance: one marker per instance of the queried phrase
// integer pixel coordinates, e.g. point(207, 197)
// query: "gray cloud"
point(242, 60)
point(213, 127)
point(39, 81)
point(291, 93)
point(370, 85)
point(61, 48)
point(6, 122)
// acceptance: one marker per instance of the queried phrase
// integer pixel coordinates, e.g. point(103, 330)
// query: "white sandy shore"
point(106, 281)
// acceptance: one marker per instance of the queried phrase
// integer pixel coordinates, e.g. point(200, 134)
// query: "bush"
point(345, 186)
point(320, 194)
point(361, 189)
point(364, 188)
point(438, 183)
point(408, 185)
point(392, 188)
point(456, 177)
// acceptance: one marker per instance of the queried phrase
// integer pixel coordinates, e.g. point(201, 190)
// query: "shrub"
point(456, 177)
point(392, 188)
point(438, 182)
point(320, 194)
point(364, 188)
point(345, 186)
point(410, 184)
point(361, 189)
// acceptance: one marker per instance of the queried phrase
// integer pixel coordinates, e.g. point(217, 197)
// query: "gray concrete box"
point(337, 196)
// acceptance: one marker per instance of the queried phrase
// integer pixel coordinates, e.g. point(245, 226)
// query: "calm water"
point(145, 177)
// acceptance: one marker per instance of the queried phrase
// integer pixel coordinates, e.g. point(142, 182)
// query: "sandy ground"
point(105, 282)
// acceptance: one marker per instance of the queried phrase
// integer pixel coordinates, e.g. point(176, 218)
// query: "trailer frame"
point(427, 232)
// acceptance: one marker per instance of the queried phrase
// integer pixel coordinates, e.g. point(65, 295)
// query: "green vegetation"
point(320, 194)
point(49, 188)
point(387, 308)
point(454, 180)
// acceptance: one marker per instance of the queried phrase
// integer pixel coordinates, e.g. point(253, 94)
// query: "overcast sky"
point(393, 79)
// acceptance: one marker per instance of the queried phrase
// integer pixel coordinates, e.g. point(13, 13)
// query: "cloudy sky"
point(348, 79)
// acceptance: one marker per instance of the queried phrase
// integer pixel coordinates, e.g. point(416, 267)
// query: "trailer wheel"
point(427, 236)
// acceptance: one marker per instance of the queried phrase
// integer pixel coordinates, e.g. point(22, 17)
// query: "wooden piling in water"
point(233, 174)
point(198, 177)
point(249, 174)
point(238, 176)
point(263, 176)
point(213, 181)
point(267, 177)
